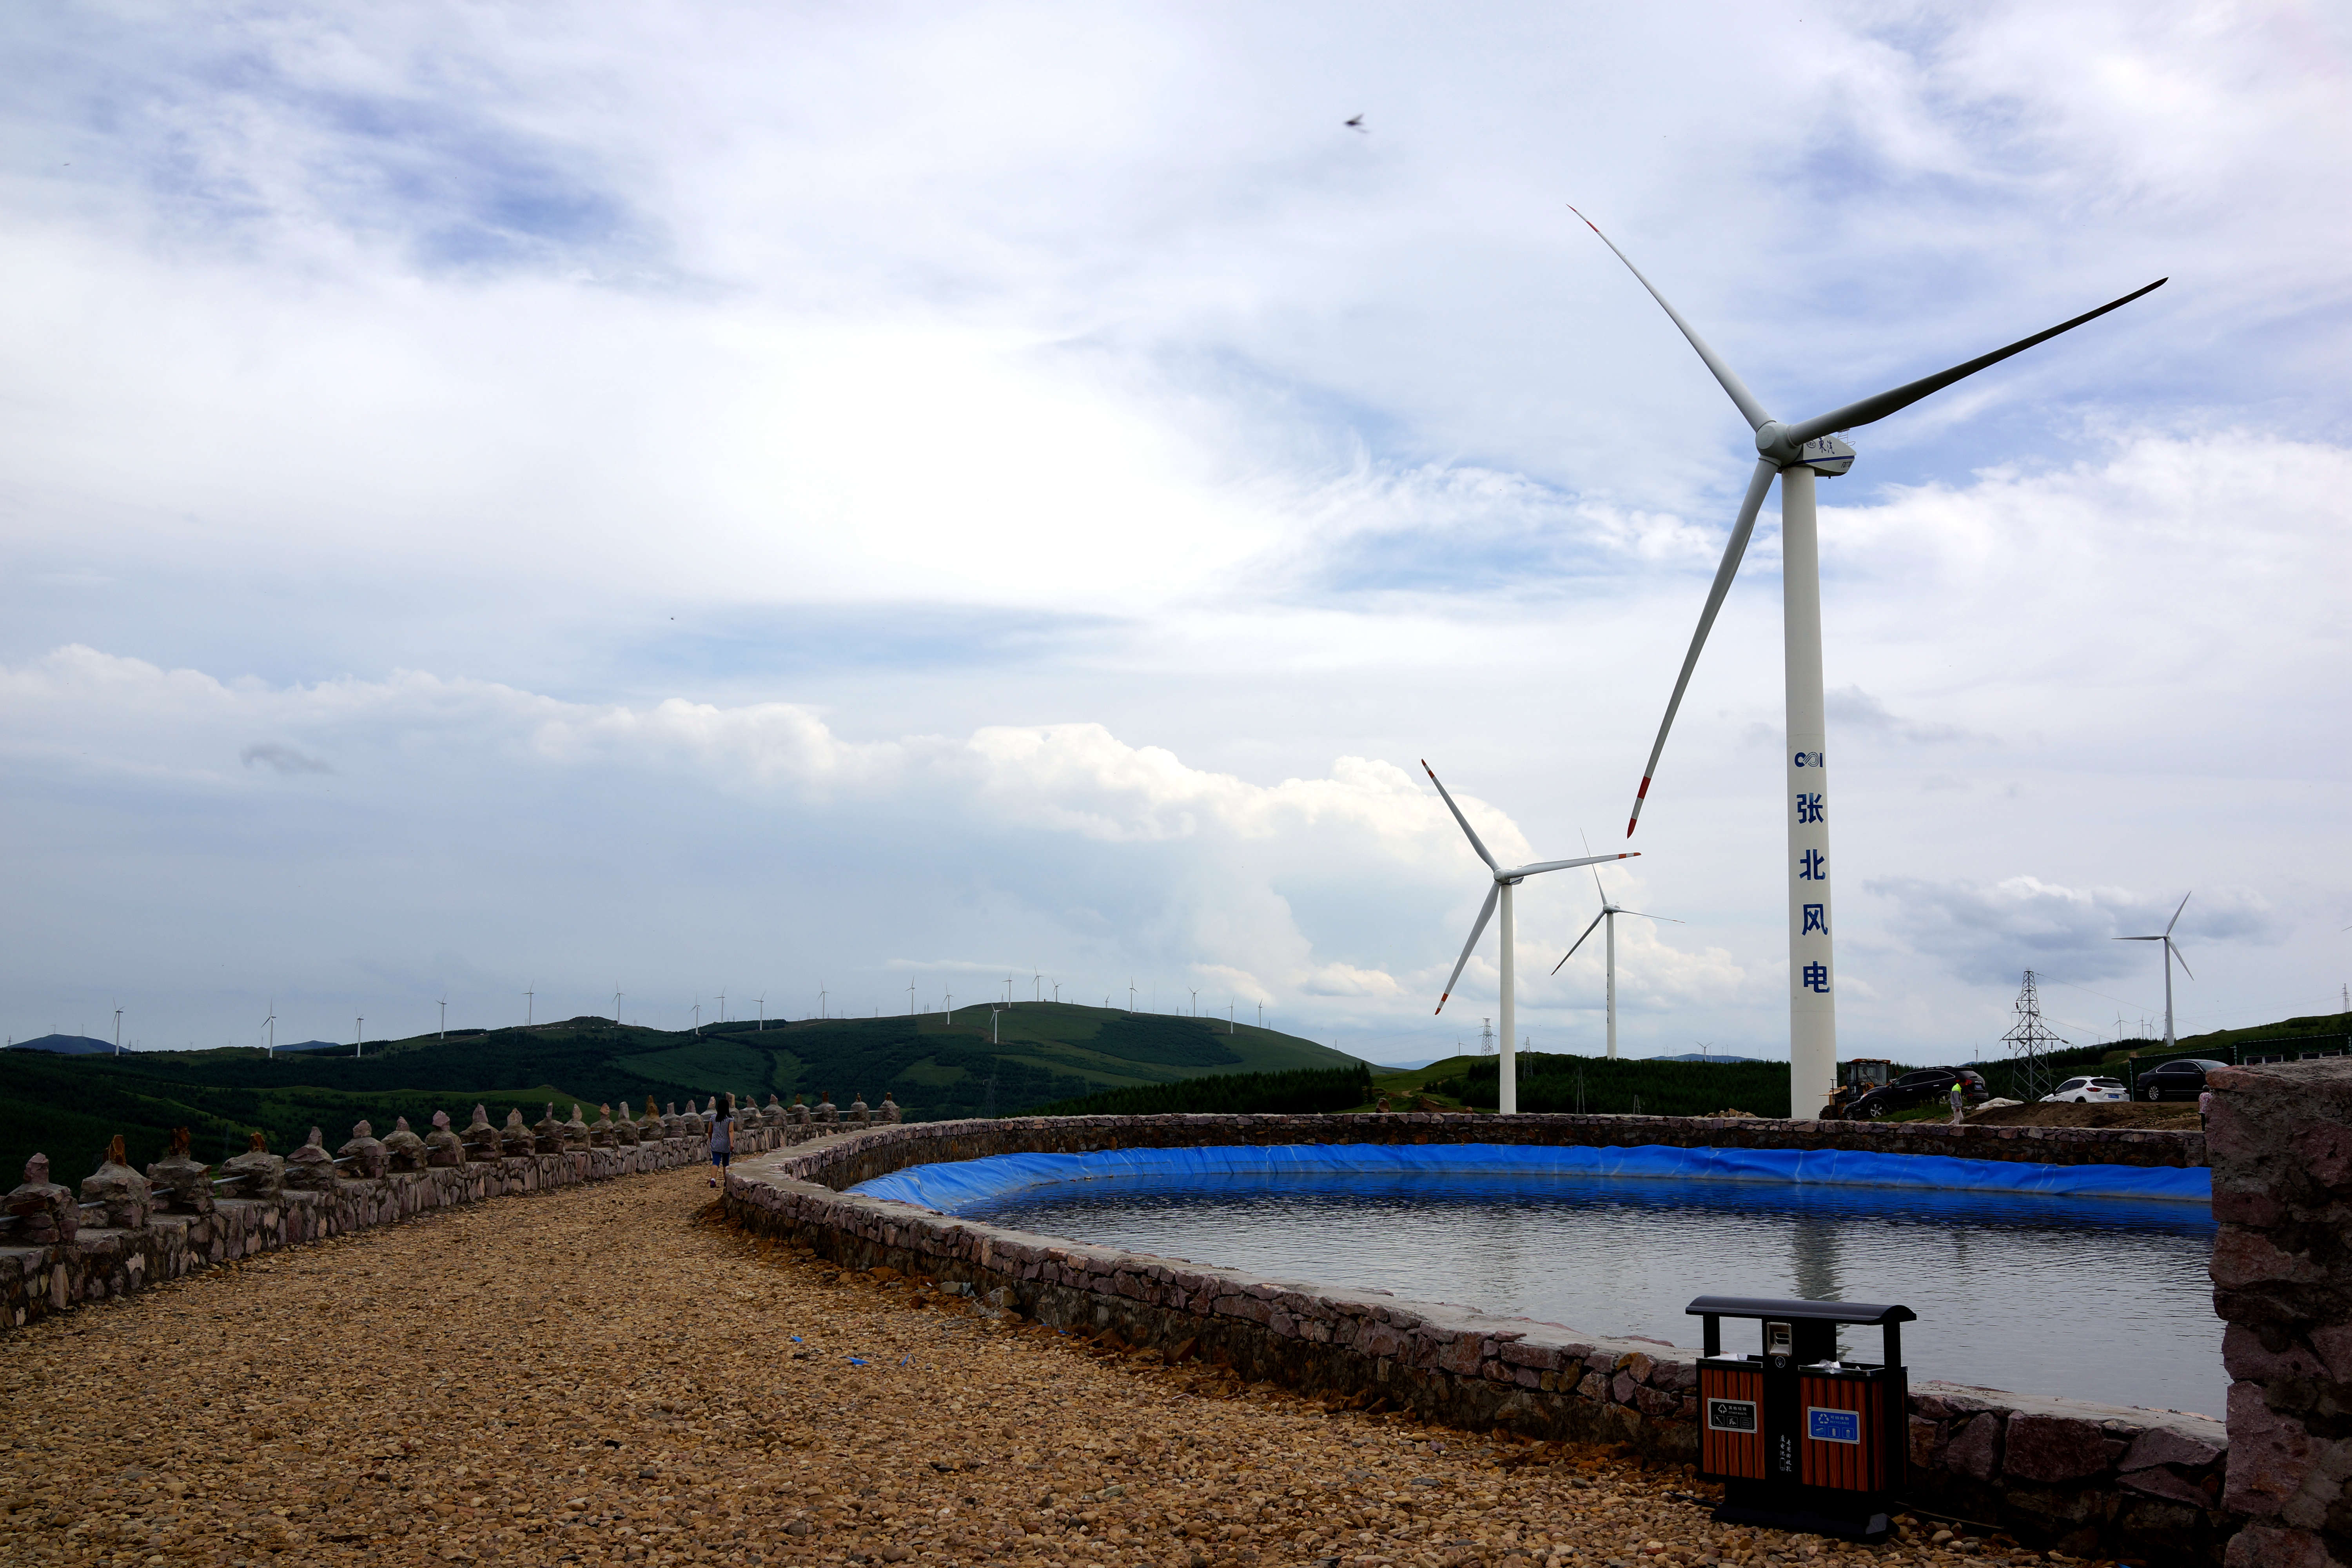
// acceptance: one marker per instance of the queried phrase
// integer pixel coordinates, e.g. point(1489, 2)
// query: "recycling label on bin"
point(1824, 1426)
point(1731, 1415)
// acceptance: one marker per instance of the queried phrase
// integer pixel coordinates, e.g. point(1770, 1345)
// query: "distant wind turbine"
point(1506, 878)
point(529, 1002)
point(270, 1024)
point(444, 1005)
point(358, 1036)
point(910, 998)
point(1795, 454)
point(1609, 912)
point(616, 1004)
point(118, 1031)
point(2171, 952)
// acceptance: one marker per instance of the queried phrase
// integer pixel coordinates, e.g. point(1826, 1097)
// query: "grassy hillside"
point(1304, 1092)
point(69, 1106)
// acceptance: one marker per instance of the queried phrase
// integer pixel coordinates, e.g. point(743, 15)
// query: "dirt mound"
point(2168, 1116)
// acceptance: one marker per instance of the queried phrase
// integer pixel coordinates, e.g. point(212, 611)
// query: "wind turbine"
point(910, 998)
point(616, 1004)
point(118, 1031)
point(1506, 878)
point(1037, 985)
point(2171, 952)
point(445, 1013)
point(1609, 912)
point(1796, 453)
point(722, 1006)
point(762, 1003)
point(358, 1036)
point(270, 1024)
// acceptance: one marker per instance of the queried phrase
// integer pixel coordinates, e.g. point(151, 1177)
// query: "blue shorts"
point(719, 1157)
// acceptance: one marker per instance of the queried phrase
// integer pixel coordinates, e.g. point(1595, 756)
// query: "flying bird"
point(1358, 124)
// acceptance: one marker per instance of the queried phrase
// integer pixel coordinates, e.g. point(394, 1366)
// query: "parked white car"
point(2087, 1092)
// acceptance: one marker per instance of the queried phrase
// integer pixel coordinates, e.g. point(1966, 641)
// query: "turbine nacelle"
point(1787, 447)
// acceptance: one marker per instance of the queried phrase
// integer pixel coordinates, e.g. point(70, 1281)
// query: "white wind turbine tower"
point(2171, 952)
point(1506, 878)
point(1609, 911)
point(270, 1024)
point(1796, 453)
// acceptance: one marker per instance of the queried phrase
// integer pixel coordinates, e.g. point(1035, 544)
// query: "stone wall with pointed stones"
point(123, 1231)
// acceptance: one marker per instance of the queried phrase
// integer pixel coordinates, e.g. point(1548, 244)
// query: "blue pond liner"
point(954, 1186)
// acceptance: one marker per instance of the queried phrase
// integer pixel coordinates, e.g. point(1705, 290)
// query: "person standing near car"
point(1960, 1104)
point(2204, 1107)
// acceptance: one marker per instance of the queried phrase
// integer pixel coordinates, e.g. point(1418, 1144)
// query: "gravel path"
point(605, 1375)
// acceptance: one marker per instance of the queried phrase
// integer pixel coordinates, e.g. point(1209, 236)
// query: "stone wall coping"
point(1962, 1395)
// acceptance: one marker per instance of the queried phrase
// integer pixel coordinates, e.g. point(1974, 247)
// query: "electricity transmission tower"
point(2029, 1043)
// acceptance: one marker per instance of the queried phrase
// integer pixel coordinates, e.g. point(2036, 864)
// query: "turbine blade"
point(1749, 409)
point(2176, 915)
point(1579, 942)
point(1485, 913)
point(2135, 939)
point(1759, 485)
point(1596, 874)
point(1668, 918)
point(2175, 953)
point(1462, 819)
point(1564, 864)
point(1870, 409)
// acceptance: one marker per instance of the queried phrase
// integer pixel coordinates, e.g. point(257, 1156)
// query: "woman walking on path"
point(722, 1137)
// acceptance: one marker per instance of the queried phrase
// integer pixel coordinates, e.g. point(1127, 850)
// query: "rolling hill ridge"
point(936, 1066)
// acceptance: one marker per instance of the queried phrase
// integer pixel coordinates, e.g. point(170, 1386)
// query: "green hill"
point(937, 1068)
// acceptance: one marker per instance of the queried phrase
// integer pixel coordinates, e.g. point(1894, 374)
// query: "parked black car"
point(1928, 1084)
point(2183, 1079)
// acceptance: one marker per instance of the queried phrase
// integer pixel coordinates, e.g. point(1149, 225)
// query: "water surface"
point(2099, 1298)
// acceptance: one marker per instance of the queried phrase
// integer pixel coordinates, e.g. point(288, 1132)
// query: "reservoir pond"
point(2099, 1298)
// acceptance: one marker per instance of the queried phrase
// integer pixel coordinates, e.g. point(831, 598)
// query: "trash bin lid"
point(1810, 1311)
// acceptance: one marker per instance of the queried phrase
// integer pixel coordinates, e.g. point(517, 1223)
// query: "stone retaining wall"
point(2283, 1282)
point(2087, 1478)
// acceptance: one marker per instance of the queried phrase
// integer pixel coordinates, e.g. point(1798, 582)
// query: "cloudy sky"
point(773, 500)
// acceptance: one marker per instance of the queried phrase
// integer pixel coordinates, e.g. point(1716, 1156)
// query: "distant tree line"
point(1597, 1086)
point(1303, 1091)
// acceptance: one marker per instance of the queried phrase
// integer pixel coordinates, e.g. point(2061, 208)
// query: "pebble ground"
point(612, 1374)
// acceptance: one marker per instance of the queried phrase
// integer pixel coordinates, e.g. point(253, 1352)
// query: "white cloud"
point(901, 483)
